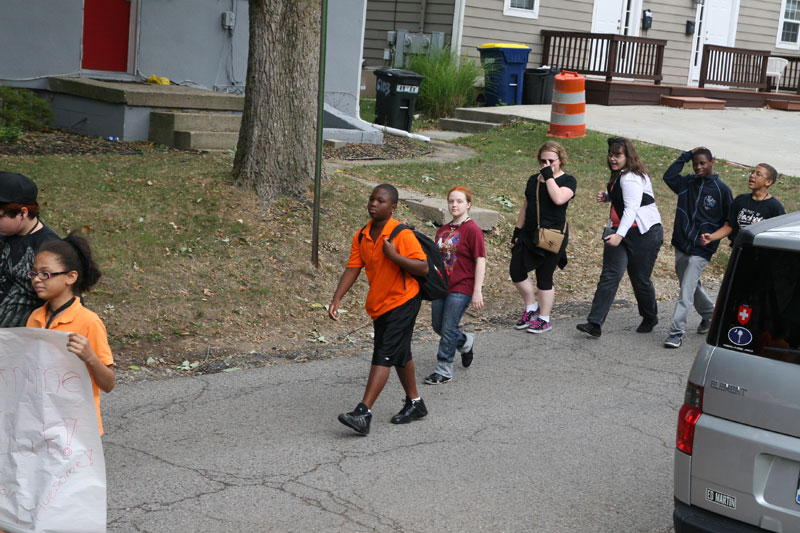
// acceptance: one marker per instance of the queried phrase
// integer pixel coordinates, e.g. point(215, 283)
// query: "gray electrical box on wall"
point(228, 20)
point(403, 42)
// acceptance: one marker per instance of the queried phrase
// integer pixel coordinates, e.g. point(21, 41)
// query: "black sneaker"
point(466, 350)
point(410, 411)
point(704, 326)
point(437, 379)
point(357, 419)
point(647, 325)
point(591, 328)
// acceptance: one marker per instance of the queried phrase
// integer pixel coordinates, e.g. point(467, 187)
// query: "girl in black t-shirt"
point(555, 189)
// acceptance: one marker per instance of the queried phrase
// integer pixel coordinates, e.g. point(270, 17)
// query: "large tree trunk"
point(276, 153)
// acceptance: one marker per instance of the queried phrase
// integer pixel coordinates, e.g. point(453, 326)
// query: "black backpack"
point(432, 286)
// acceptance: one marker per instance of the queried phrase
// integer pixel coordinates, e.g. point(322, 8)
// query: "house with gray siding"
point(687, 25)
point(200, 46)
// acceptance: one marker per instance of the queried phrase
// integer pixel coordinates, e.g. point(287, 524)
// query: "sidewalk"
point(741, 135)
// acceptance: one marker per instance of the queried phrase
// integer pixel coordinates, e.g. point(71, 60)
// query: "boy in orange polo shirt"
point(393, 302)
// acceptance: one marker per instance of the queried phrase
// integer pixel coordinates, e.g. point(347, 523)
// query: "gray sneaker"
point(705, 325)
point(673, 341)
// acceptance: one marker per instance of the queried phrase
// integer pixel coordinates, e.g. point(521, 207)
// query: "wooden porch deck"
point(630, 93)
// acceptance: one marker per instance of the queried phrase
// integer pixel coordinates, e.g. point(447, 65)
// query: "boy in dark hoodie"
point(703, 204)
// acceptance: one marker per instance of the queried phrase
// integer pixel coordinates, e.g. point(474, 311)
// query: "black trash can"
point(395, 97)
point(537, 85)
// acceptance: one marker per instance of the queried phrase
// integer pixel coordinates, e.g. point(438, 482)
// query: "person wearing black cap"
point(21, 234)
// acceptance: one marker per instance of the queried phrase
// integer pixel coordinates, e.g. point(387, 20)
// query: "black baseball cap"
point(17, 189)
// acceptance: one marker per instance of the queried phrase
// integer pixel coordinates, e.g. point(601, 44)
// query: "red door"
point(106, 25)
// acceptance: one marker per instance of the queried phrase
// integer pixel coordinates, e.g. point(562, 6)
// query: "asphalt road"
point(556, 432)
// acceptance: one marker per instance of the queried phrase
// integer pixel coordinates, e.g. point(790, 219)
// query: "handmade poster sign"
point(52, 472)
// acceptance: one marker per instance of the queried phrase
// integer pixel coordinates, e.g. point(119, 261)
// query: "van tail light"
point(689, 414)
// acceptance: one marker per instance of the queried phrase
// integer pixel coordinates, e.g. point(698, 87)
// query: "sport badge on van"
point(744, 314)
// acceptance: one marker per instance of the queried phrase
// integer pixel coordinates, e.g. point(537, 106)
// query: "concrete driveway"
point(743, 135)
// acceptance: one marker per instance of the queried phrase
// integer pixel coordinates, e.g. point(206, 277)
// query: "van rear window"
point(760, 312)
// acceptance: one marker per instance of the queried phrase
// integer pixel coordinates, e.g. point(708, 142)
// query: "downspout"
point(458, 26)
point(423, 8)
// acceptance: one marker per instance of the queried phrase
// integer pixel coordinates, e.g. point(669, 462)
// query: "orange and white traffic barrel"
point(567, 114)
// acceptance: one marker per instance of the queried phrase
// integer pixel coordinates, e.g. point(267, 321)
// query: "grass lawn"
point(196, 270)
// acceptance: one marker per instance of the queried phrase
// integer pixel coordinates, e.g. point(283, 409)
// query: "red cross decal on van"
point(744, 314)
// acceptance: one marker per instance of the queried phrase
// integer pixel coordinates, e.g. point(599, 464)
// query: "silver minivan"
point(737, 457)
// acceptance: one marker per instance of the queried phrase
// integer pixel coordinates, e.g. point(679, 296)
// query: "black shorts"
point(393, 331)
point(525, 258)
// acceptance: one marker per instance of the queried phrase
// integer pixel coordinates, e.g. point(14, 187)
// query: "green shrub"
point(9, 134)
point(21, 109)
point(449, 82)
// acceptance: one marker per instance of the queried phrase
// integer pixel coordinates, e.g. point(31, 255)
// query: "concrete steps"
point(195, 130)
point(477, 119)
point(467, 126)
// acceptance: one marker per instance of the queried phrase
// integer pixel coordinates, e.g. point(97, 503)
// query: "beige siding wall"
point(386, 15)
point(484, 22)
point(758, 26)
point(669, 23)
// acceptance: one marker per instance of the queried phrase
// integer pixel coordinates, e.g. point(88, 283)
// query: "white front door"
point(620, 17)
point(616, 16)
point(715, 23)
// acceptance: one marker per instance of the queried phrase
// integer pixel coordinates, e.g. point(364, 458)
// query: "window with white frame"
point(789, 25)
point(524, 8)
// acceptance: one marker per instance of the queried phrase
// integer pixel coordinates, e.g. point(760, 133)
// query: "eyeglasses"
point(44, 276)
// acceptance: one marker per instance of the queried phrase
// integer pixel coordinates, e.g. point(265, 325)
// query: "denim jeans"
point(446, 314)
point(689, 269)
point(637, 254)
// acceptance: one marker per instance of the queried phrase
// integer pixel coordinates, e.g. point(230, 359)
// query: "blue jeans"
point(446, 314)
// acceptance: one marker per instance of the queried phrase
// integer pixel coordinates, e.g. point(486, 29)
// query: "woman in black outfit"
point(556, 188)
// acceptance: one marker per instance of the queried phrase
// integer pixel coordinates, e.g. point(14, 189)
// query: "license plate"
point(413, 89)
point(721, 499)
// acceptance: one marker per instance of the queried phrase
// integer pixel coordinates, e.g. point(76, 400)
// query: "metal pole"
point(323, 32)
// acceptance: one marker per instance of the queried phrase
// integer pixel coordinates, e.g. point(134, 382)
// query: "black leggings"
point(523, 260)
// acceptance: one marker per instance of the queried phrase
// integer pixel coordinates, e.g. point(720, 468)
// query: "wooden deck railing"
point(734, 67)
point(605, 54)
point(790, 81)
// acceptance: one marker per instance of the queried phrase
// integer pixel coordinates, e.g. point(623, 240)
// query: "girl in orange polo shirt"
point(64, 268)
point(393, 302)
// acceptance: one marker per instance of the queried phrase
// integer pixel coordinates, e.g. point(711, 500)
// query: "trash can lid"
point(503, 45)
point(398, 73)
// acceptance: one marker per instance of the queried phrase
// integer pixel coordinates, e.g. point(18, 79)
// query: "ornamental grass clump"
point(21, 110)
point(449, 82)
